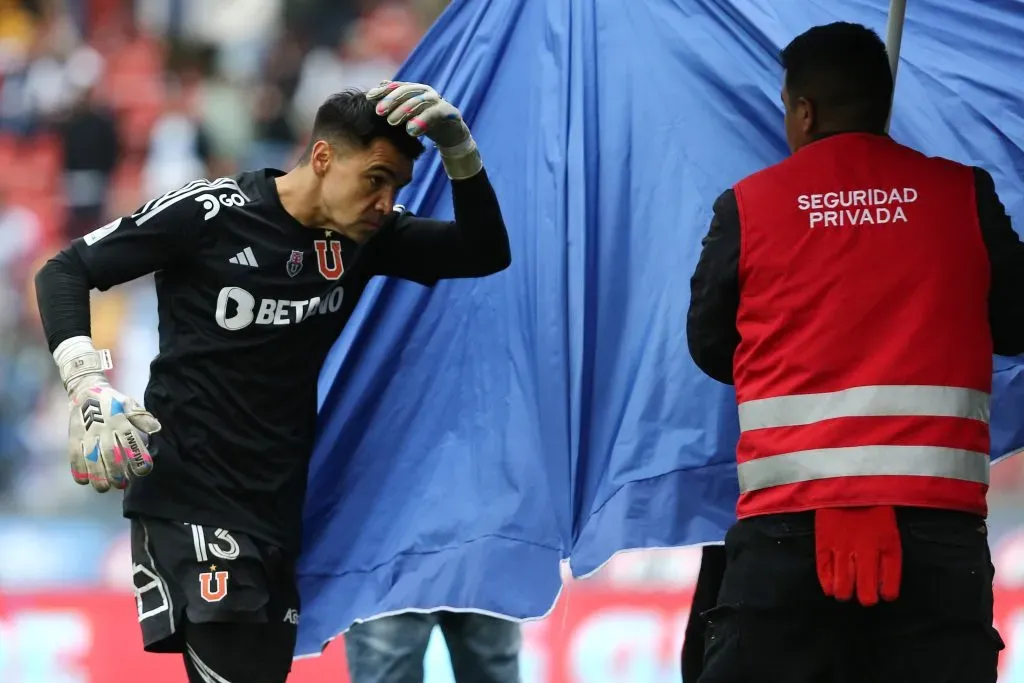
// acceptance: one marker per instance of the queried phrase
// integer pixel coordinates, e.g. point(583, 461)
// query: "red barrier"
point(597, 634)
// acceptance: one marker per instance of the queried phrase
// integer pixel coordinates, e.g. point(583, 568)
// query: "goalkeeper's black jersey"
point(250, 302)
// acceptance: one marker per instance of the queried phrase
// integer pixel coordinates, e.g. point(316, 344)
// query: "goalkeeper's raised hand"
point(424, 112)
point(108, 432)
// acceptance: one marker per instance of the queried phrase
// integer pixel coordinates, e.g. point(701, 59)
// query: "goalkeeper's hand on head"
point(423, 111)
point(108, 432)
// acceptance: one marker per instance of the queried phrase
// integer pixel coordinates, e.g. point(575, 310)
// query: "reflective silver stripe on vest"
point(824, 463)
point(871, 401)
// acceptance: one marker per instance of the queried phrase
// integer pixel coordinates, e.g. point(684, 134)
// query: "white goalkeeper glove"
point(423, 112)
point(108, 432)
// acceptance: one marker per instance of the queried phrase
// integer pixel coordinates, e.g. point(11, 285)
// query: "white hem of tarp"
point(486, 613)
point(1019, 451)
point(432, 610)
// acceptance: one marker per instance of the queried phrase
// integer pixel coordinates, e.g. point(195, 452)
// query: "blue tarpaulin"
point(474, 434)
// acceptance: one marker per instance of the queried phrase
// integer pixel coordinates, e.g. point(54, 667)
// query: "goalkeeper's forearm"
point(62, 295)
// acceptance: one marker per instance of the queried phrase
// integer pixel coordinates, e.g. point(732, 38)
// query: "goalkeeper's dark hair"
point(348, 119)
point(843, 69)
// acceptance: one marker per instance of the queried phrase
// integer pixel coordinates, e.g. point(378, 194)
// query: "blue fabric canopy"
point(474, 434)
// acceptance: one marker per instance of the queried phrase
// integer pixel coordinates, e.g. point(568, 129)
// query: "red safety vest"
point(865, 368)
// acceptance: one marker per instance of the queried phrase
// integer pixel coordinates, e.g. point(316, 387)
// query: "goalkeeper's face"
point(359, 187)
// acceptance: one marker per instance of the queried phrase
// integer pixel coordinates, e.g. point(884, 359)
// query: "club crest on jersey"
point(294, 264)
point(213, 585)
point(330, 265)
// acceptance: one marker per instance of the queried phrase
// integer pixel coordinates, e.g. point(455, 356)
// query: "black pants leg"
point(940, 629)
point(226, 653)
point(773, 623)
point(705, 595)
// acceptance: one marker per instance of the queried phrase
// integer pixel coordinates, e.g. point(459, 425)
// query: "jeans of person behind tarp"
point(391, 649)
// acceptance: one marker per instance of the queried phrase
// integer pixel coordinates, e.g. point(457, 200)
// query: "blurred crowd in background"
point(105, 104)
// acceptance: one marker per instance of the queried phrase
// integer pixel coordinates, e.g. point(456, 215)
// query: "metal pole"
point(893, 41)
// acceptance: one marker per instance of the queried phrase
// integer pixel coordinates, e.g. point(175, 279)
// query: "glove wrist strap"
point(461, 161)
point(77, 358)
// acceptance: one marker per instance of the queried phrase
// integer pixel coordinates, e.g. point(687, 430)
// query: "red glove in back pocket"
point(858, 549)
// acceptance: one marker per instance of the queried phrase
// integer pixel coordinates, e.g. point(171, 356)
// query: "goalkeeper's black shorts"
point(192, 574)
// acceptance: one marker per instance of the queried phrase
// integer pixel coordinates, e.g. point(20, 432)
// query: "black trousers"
point(705, 596)
point(772, 622)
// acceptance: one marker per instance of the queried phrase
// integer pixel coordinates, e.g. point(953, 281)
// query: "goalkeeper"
point(256, 275)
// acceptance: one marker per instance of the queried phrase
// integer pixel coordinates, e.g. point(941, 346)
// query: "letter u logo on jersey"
point(213, 586)
point(330, 265)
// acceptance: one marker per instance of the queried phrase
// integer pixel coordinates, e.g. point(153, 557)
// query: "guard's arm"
point(1006, 254)
point(711, 332)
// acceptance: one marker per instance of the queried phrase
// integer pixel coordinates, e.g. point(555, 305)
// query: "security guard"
point(855, 294)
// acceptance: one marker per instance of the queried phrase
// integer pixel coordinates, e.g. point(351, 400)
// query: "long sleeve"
point(1006, 254)
point(62, 295)
point(161, 234)
point(711, 332)
point(424, 250)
